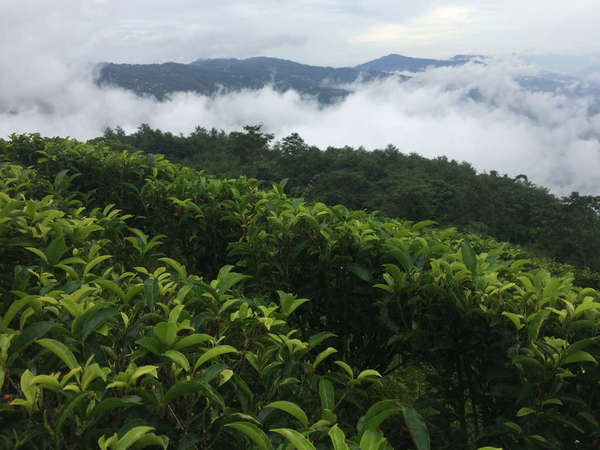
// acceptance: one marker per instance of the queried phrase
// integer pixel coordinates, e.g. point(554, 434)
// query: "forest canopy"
point(394, 183)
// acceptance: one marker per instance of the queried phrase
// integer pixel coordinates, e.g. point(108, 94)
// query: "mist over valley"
point(497, 114)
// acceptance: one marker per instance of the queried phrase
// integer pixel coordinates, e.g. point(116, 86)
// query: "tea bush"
point(145, 303)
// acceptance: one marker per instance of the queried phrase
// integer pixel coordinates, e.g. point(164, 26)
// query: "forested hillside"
point(210, 76)
point(148, 304)
point(327, 85)
point(400, 63)
point(396, 184)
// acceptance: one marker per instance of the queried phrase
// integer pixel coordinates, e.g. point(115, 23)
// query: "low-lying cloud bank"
point(475, 113)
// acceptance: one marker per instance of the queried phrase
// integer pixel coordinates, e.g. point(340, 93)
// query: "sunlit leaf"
point(296, 439)
point(60, 350)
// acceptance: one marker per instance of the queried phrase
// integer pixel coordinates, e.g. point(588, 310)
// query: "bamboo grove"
point(145, 304)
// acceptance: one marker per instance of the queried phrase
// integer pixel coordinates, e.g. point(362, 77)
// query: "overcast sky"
point(324, 32)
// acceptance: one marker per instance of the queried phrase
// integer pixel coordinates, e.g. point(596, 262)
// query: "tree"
point(251, 144)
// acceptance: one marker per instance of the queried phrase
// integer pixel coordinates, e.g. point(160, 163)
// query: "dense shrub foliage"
point(144, 303)
point(396, 184)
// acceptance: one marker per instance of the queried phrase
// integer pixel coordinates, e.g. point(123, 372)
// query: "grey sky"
point(333, 32)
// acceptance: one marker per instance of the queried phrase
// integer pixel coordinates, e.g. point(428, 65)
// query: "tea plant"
point(145, 303)
point(94, 353)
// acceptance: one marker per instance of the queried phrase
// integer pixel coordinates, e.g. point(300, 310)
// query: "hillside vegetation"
point(396, 184)
point(211, 76)
point(148, 304)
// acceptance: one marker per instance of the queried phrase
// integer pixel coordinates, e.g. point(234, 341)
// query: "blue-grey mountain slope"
point(325, 84)
point(210, 76)
point(401, 63)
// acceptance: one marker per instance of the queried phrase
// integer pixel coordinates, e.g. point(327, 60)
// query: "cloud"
point(438, 24)
point(475, 113)
point(346, 32)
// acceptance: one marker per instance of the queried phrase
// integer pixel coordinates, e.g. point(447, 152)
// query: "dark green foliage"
point(105, 342)
point(108, 333)
point(396, 185)
point(210, 76)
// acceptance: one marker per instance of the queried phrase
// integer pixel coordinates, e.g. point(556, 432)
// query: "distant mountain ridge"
point(401, 63)
point(209, 76)
point(325, 84)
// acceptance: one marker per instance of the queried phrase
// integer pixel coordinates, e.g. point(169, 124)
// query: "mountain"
point(400, 63)
point(326, 84)
point(565, 85)
point(209, 76)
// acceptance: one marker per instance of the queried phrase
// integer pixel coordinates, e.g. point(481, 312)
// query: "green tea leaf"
point(178, 358)
point(111, 286)
point(98, 319)
point(346, 368)
point(179, 268)
point(590, 418)
point(108, 404)
point(150, 343)
point(150, 293)
point(525, 412)
point(253, 432)
point(338, 438)
point(316, 339)
point(368, 373)
point(583, 307)
point(417, 428)
point(324, 354)
point(183, 388)
point(292, 409)
point(93, 263)
point(39, 253)
point(468, 256)
point(297, 439)
point(92, 372)
point(535, 323)
point(360, 271)
point(326, 393)
point(377, 413)
point(67, 409)
point(516, 319)
point(56, 250)
point(192, 340)
point(14, 309)
point(579, 356)
point(213, 353)
point(166, 332)
point(152, 440)
point(60, 350)
point(583, 343)
point(143, 370)
point(371, 440)
point(28, 336)
point(289, 303)
point(132, 436)
point(552, 401)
